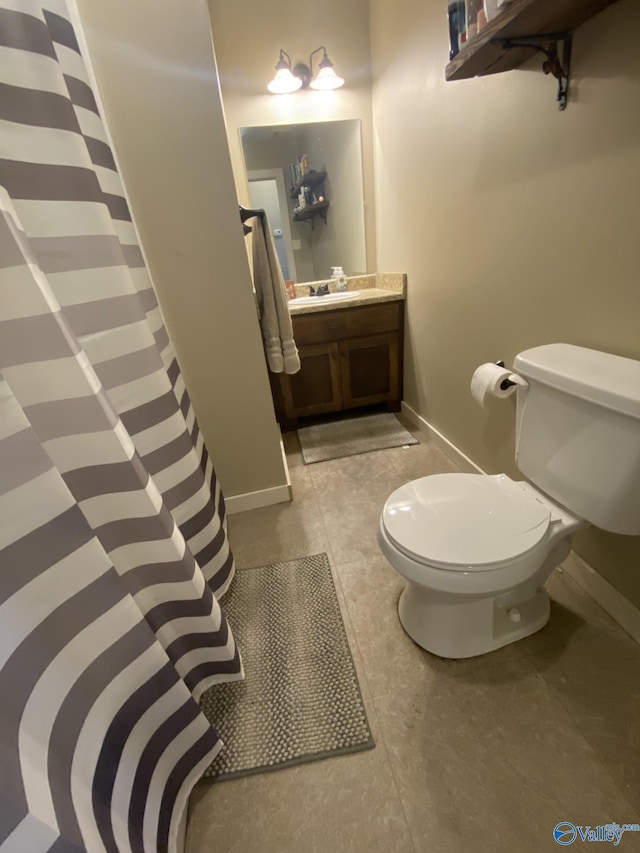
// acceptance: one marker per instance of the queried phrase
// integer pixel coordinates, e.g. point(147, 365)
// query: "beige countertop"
point(371, 289)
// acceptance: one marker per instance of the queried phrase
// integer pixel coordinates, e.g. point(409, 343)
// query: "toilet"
point(476, 549)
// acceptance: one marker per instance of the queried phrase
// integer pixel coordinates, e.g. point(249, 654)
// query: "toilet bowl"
point(475, 551)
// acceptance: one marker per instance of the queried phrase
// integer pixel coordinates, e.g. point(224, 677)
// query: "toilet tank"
point(578, 432)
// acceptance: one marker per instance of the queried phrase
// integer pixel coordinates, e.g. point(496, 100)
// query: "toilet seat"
point(465, 522)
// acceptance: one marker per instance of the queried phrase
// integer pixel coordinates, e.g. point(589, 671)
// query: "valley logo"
point(566, 833)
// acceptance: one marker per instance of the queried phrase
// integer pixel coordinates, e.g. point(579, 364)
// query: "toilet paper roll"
point(487, 379)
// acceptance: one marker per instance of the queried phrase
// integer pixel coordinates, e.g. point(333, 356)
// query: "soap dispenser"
point(337, 273)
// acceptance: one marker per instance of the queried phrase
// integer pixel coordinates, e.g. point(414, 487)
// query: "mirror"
point(308, 177)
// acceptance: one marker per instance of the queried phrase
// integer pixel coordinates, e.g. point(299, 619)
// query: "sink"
point(322, 300)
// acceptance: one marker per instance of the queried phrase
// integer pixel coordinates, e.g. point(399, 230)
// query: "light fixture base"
point(303, 72)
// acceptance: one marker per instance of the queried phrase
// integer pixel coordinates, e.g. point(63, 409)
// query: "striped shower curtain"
point(112, 528)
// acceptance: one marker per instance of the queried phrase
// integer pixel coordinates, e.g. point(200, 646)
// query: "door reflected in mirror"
point(308, 177)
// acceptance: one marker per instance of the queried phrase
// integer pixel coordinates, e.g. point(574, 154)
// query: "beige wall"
point(517, 224)
point(247, 37)
point(157, 77)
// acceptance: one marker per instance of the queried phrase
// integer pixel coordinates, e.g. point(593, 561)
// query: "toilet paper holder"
point(506, 383)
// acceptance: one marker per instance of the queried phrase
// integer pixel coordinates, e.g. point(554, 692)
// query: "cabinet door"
point(370, 370)
point(316, 388)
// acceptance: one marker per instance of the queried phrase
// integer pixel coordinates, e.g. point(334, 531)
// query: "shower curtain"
point(112, 524)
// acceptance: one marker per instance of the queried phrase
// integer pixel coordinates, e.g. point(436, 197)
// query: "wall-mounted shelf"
point(310, 212)
point(506, 42)
point(311, 179)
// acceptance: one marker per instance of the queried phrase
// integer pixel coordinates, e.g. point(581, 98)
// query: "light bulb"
point(284, 82)
point(326, 78)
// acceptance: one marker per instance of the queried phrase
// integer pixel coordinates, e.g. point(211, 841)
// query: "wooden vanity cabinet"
point(350, 357)
point(317, 388)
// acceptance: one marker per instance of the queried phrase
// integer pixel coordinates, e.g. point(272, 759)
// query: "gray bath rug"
point(350, 437)
point(300, 700)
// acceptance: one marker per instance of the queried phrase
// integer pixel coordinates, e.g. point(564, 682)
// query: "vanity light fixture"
point(284, 82)
point(326, 78)
point(287, 80)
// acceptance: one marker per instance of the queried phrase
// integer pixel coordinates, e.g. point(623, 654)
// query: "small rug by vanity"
point(300, 700)
point(352, 436)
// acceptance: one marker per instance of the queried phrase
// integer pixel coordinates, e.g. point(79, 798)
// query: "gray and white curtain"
point(112, 527)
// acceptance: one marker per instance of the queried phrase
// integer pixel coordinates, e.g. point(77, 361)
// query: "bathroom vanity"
point(350, 351)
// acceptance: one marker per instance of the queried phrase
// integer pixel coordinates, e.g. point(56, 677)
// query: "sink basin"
point(322, 300)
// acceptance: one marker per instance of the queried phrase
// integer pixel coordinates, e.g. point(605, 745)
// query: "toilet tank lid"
point(608, 380)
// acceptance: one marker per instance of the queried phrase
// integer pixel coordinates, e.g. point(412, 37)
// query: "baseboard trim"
point(604, 593)
point(257, 500)
point(464, 463)
point(285, 465)
point(626, 614)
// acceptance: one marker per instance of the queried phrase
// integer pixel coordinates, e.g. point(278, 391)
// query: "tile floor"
point(487, 754)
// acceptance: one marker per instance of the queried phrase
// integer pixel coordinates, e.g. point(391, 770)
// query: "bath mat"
point(351, 437)
point(300, 700)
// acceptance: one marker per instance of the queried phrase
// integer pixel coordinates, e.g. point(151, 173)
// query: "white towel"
point(275, 320)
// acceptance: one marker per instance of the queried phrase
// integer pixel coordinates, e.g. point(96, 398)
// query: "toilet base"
point(455, 626)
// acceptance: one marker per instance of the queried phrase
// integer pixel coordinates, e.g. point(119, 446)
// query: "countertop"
point(374, 288)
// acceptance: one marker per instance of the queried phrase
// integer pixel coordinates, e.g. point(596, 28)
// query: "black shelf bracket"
point(553, 64)
point(311, 220)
